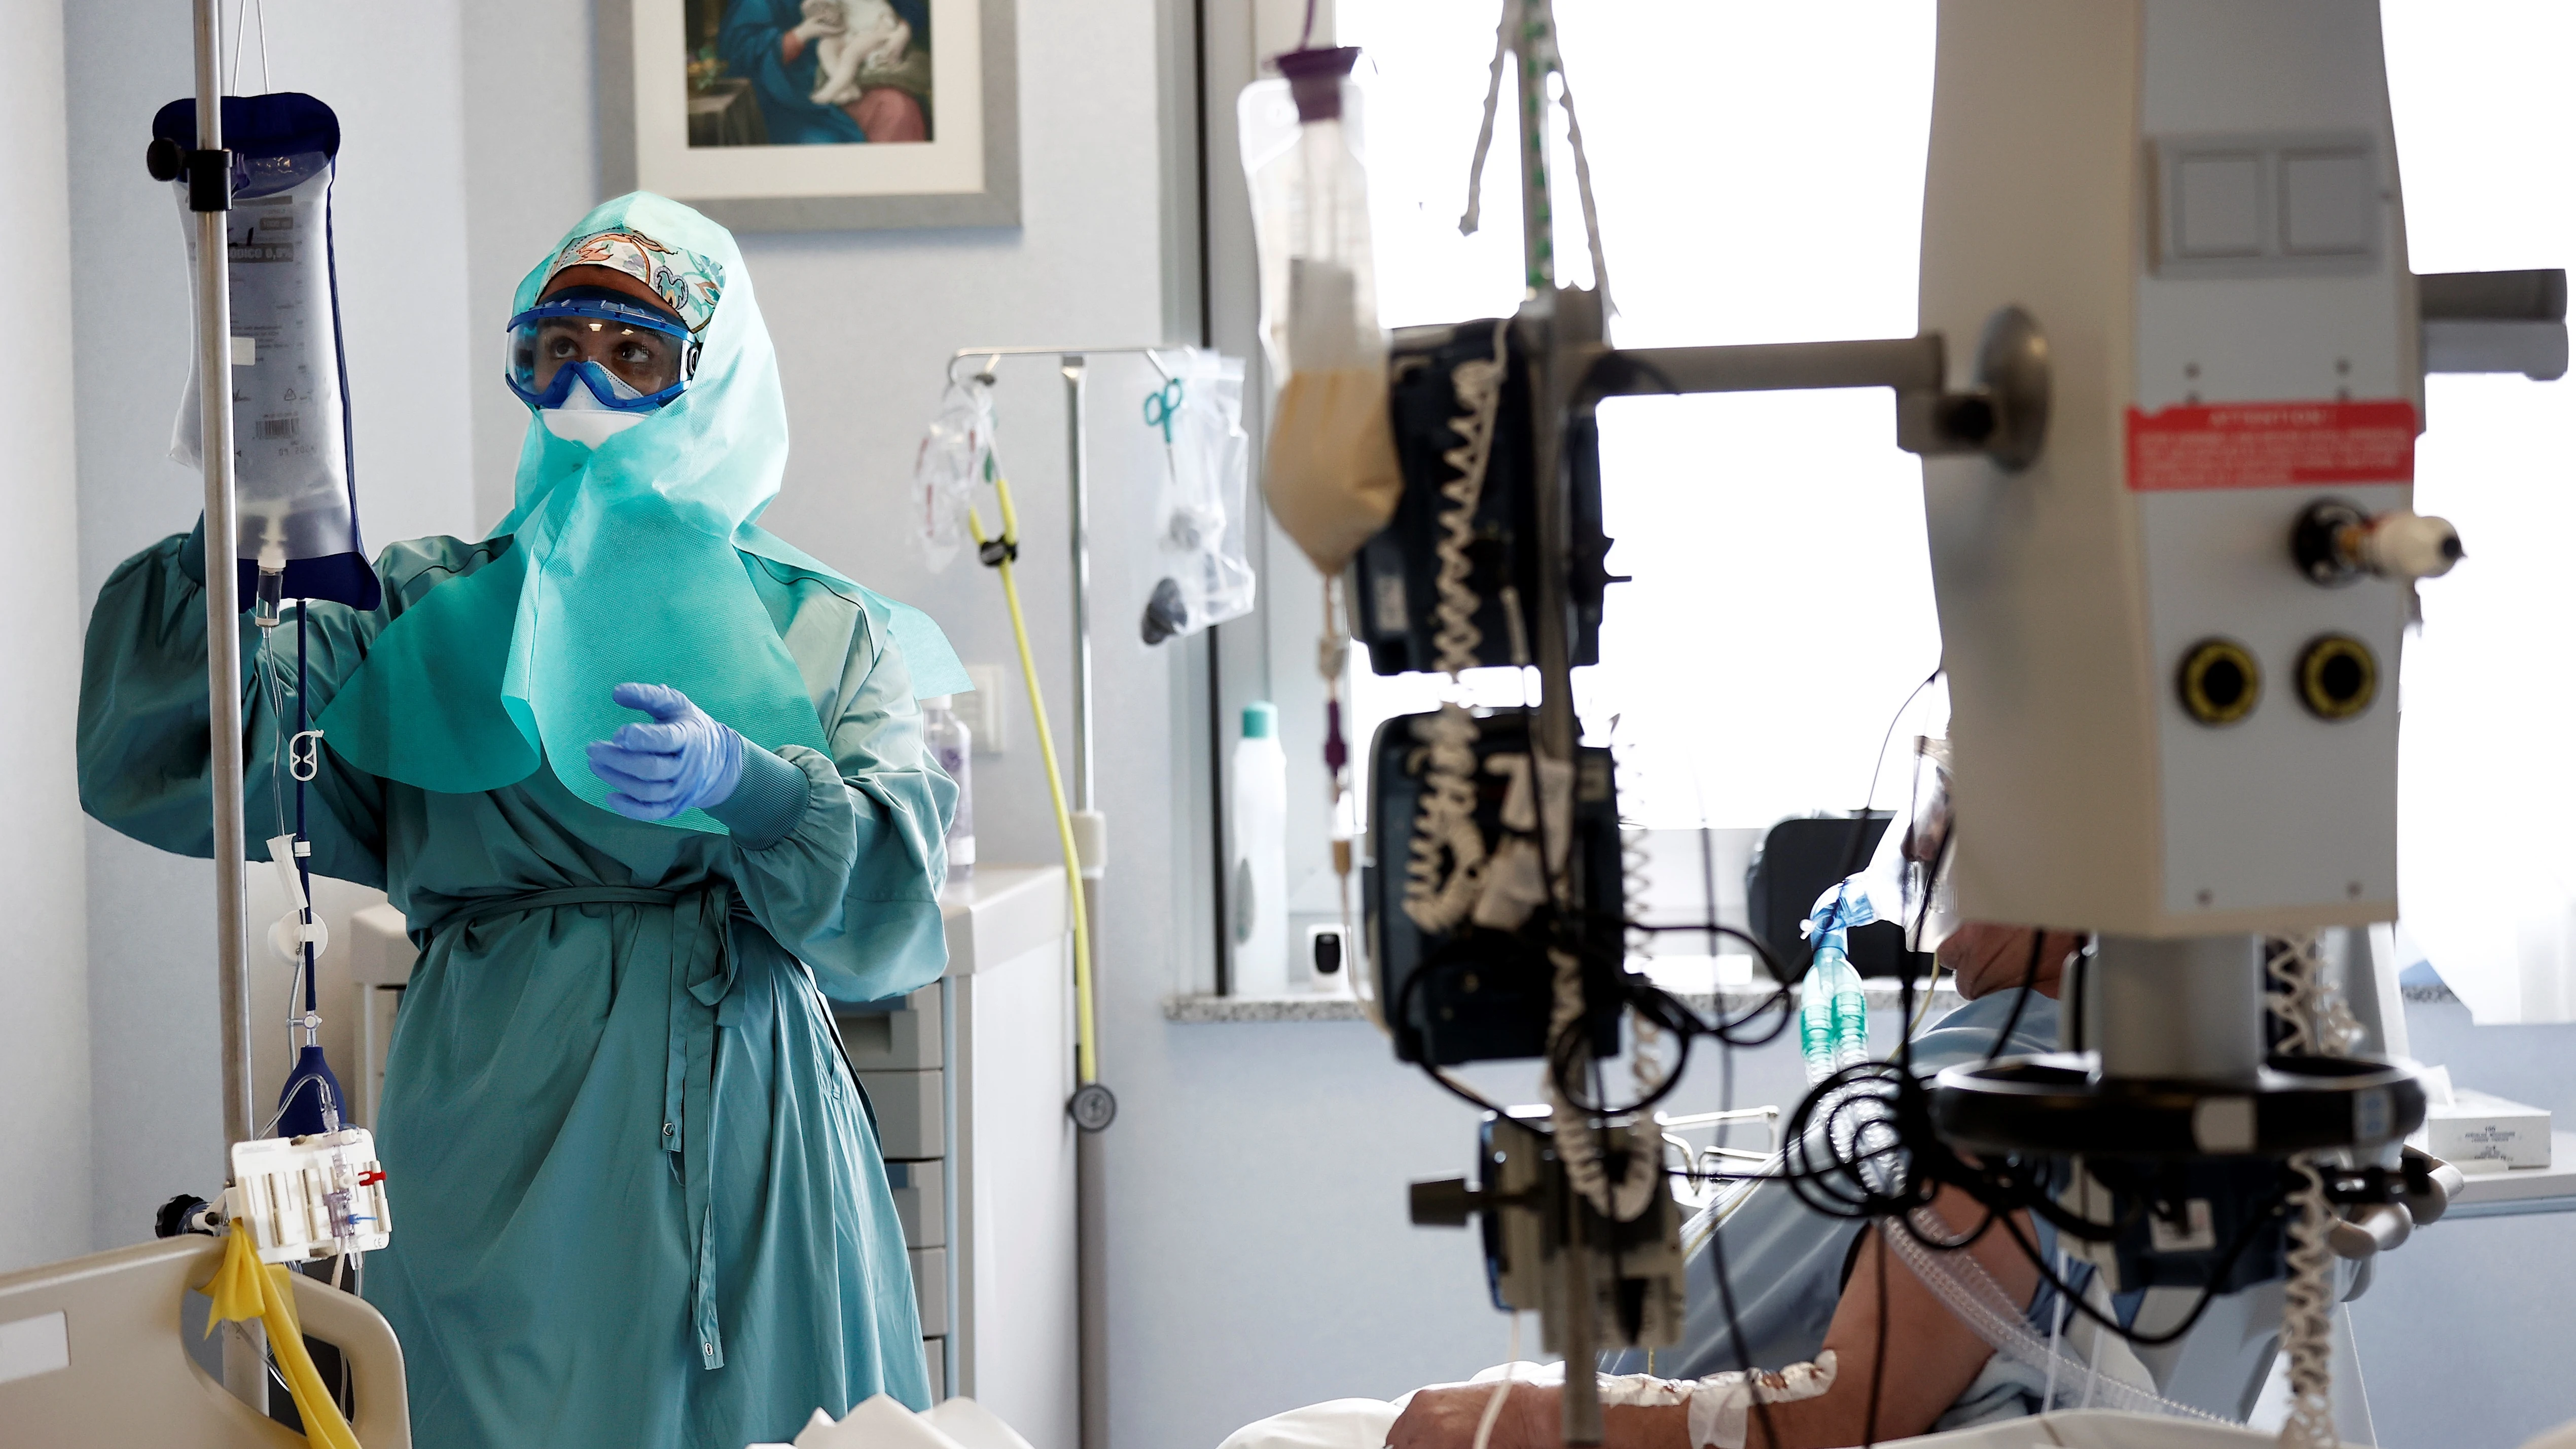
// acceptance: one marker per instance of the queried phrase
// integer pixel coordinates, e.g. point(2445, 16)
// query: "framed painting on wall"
point(814, 115)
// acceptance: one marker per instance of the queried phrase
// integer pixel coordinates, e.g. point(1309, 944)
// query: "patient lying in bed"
point(1816, 1303)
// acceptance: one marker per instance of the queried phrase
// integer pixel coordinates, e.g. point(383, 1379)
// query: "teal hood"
point(624, 563)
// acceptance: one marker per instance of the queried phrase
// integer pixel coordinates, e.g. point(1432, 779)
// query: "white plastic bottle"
point(1257, 876)
point(953, 746)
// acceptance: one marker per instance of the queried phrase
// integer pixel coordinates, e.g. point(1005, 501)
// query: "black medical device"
point(1476, 993)
point(1394, 587)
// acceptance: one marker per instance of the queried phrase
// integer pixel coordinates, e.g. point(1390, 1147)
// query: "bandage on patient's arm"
point(1722, 1406)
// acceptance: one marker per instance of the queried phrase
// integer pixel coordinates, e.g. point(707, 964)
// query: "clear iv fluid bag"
point(1331, 479)
point(291, 448)
point(956, 454)
point(1202, 547)
point(1302, 141)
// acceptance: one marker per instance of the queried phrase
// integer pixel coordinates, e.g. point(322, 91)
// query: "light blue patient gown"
point(636, 1199)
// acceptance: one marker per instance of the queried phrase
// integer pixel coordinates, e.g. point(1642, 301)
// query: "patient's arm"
point(1931, 1358)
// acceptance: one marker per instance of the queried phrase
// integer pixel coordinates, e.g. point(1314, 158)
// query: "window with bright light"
point(1758, 171)
point(2486, 865)
point(1759, 176)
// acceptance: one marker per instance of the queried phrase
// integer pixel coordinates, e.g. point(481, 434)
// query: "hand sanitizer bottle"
point(1257, 875)
point(953, 746)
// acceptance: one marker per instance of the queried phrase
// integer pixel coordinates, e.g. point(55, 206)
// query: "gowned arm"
point(841, 856)
point(146, 756)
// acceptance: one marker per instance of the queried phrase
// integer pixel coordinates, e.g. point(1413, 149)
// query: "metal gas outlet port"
point(2326, 542)
point(2335, 543)
point(2219, 682)
point(2338, 677)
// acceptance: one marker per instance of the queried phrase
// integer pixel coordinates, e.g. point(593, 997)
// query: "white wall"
point(44, 1032)
point(393, 75)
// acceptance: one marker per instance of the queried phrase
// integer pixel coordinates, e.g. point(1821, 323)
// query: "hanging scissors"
point(1162, 406)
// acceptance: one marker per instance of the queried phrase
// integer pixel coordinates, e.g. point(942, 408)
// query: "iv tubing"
point(1086, 1048)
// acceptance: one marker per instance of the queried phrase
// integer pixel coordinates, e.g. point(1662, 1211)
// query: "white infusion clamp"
point(303, 1198)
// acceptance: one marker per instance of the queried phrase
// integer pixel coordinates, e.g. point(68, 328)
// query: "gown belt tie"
point(691, 933)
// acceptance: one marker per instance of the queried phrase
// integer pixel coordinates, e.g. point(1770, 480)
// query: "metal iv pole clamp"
point(2060, 1105)
point(2180, 1070)
point(2003, 413)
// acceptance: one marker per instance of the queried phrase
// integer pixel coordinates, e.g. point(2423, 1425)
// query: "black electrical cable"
point(2245, 1235)
point(1657, 1007)
point(1403, 1000)
point(1860, 822)
point(2033, 1196)
point(1726, 1029)
point(1878, 1359)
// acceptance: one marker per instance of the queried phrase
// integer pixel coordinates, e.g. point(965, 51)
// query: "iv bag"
point(292, 460)
point(1331, 474)
point(956, 454)
point(1206, 579)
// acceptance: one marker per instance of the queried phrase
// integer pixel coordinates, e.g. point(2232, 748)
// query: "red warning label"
point(2271, 445)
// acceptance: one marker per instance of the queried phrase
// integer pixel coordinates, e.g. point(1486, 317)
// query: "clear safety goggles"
point(629, 358)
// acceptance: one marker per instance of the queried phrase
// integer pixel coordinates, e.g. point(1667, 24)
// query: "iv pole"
point(1092, 1107)
point(210, 199)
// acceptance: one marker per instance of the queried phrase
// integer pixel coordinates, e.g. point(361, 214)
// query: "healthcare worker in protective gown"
point(648, 785)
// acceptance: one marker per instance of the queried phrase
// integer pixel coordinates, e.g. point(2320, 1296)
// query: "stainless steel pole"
point(1556, 323)
point(223, 601)
point(210, 198)
point(1091, 1201)
point(1076, 444)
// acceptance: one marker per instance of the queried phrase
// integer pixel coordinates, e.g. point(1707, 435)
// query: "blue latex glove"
point(684, 760)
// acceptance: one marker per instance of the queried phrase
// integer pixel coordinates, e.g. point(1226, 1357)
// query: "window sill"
point(1199, 1009)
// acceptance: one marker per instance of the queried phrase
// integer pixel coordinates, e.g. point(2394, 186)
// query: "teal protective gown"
point(636, 1198)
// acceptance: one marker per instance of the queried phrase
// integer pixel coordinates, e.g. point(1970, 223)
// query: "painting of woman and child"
point(809, 72)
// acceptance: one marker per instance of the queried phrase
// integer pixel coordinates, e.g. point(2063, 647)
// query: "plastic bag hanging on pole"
point(1331, 474)
point(1206, 576)
point(293, 462)
point(956, 454)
